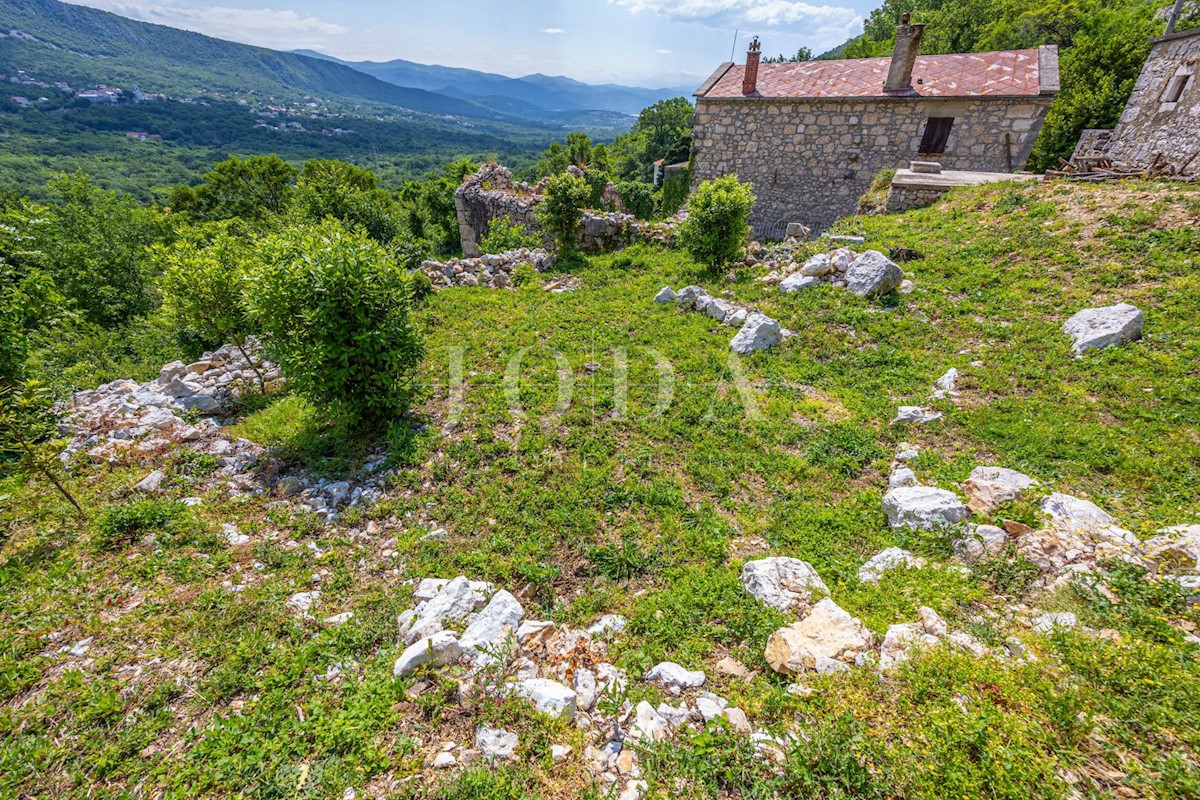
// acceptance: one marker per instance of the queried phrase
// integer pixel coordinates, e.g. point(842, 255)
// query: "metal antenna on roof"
point(733, 50)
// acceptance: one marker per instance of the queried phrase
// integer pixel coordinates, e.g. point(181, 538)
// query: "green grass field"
point(605, 505)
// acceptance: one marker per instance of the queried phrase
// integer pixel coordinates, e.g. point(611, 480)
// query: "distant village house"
point(811, 136)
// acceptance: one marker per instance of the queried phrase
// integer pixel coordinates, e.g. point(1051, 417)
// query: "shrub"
point(717, 225)
point(524, 275)
point(562, 209)
point(205, 285)
point(350, 194)
point(420, 286)
point(638, 198)
point(121, 526)
point(675, 187)
point(504, 235)
point(334, 308)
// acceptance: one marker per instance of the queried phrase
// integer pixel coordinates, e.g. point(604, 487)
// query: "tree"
point(250, 188)
point(205, 282)
point(334, 310)
point(561, 210)
point(94, 245)
point(350, 194)
point(803, 54)
point(718, 221)
point(667, 130)
point(428, 211)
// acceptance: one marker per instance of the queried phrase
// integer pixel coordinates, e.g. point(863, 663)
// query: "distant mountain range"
point(543, 92)
point(83, 46)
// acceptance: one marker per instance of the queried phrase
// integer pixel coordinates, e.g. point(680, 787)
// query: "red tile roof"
point(1005, 73)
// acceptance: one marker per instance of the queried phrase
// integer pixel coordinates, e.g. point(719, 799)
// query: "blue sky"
point(644, 42)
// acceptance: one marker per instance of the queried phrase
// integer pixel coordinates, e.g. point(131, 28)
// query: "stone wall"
point(492, 193)
point(905, 198)
point(811, 160)
point(1150, 127)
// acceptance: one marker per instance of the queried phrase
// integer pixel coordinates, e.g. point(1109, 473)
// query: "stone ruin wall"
point(492, 193)
point(1150, 128)
point(811, 160)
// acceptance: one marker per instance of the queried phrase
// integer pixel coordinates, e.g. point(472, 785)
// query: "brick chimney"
point(904, 57)
point(750, 81)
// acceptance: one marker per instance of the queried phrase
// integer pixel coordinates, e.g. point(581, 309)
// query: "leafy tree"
point(803, 54)
point(26, 426)
point(206, 280)
point(94, 245)
point(251, 188)
point(638, 198)
point(561, 211)
point(504, 235)
point(666, 129)
point(28, 301)
point(717, 226)
point(428, 208)
point(334, 309)
point(675, 187)
point(350, 194)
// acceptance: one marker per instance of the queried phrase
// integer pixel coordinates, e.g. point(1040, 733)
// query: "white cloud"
point(663, 52)
point(284, 29)
point(728, 13)
point(553, 30)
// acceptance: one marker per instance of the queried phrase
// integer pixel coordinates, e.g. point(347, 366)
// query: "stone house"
point(811, 136)
point(1160, 126)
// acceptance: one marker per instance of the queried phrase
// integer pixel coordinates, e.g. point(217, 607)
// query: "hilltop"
point(230, 618)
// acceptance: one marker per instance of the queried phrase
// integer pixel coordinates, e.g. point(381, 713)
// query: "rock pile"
point(127, 420)
point(493, 271)
point(563, 672)
point(756, 331)
point(867, 274)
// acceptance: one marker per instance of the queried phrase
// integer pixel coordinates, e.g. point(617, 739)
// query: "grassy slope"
point(197, 691)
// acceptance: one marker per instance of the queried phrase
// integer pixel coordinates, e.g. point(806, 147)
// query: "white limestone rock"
point(873, 273)
point(496, 744)
point(988, 487)
point(900, 641)
point(1102, 327)
point(982, 541)
point(1069, 509)
point(783, 583)
point(498, 619)
point(1046, 623)
point(151, 483)
point(919, 415)
point(817, 266)
point(797, 281)
point(673, 676)
point(885, 560)
point(454, 602)
point(758, 333)
point(925, 507)
point(828, 632)
point(688, 294)
point(648, 725)
point(1175, 549)
point(549, 697)
point(585, 689)
point(902, 476)
point(439, 649)
point(665, 295)
point(736, 318)
point(609, 623)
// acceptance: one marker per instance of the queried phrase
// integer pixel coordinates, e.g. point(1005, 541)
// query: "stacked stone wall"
point(811, 160)
point(492, 193)
point(1151, 128)
point(906, 198)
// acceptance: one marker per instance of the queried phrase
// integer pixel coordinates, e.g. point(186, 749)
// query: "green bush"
point(675, 187)
point(638, 198)
point(717, 225)
point(205, 285)
point(420, 286)
point(504, 235)
point(121, 526)
point(334, 308)
point(524, 275)
point(562, 210)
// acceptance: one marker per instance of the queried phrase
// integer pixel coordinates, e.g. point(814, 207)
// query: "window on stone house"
point(937, 134)
point(1176, 87)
